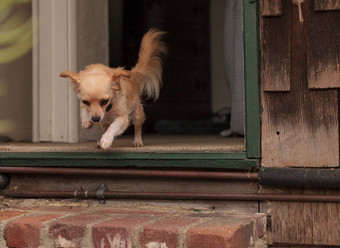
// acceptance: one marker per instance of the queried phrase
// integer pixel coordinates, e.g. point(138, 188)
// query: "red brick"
point(24, 232)
point(116, 232)
point(243, 236)
point(60, 209)
point(260, 225)
point(5, 215)
point(131, 211)
point(71, 229)
point(165, 231)
point(221, 232)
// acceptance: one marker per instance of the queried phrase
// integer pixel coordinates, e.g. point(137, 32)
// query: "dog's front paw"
point(137, 143)
point(86, 124)
point(105, 142)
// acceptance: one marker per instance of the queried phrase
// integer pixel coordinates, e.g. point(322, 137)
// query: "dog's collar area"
point(108, 108)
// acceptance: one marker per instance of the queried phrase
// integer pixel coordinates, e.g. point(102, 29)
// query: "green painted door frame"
point(243, 160)
point(252, 77)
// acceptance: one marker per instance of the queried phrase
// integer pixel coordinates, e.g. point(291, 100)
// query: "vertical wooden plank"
point(326, 220)
point(64, 101)
point(276, 51)
point(45, 71)
point(73, 108)
point(323, 49)
point(292, 222)
point(303, 223)
point(35, 71)
point(251, 78)
point(271, 8)
point(300, 128)
point(59, 57)
point(325, 5)
point(55, 106)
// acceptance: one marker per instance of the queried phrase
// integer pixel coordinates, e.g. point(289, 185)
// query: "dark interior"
point(184, 106)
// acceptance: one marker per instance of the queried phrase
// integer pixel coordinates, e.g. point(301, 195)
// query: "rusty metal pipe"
point(172, 196)
point(249, 176)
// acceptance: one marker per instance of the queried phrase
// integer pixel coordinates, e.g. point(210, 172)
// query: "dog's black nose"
point(95, 118)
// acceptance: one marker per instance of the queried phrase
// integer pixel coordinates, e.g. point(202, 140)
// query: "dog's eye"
point(86, 102)
point(104, 102)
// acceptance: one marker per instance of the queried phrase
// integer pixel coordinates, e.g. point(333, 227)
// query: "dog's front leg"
point(86, 121)
point(138, 119)
point(117, 127)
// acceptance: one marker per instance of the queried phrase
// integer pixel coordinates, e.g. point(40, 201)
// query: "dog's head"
point(96, 87)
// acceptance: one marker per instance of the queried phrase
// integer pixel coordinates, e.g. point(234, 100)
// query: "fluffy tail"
point(148, 70)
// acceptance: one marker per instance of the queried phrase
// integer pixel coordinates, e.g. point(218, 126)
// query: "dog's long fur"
point(112, 96)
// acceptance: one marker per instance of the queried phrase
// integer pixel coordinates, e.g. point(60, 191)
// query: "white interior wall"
point(219, 87)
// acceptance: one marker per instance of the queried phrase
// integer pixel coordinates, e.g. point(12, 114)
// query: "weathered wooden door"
point(300, 77)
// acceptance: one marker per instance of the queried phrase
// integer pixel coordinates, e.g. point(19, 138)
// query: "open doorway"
point(195, 98)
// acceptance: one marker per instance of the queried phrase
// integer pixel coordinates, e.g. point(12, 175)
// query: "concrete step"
point(127, 226)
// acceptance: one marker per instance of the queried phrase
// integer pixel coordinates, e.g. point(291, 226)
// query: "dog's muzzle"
point(95, 118)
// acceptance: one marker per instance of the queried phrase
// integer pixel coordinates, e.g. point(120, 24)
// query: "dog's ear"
point(116, 74)
point(73, 76)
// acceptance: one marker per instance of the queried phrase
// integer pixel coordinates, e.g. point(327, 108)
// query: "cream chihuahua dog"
point(112, 96)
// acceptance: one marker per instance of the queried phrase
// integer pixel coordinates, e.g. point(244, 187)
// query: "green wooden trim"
point(251, 77)
point(117, 156)
point(192, 163)
point(245, 164)
point(106, 159)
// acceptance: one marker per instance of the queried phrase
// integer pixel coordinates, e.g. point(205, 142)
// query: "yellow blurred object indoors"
point(15, 31)
point(15, 42)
